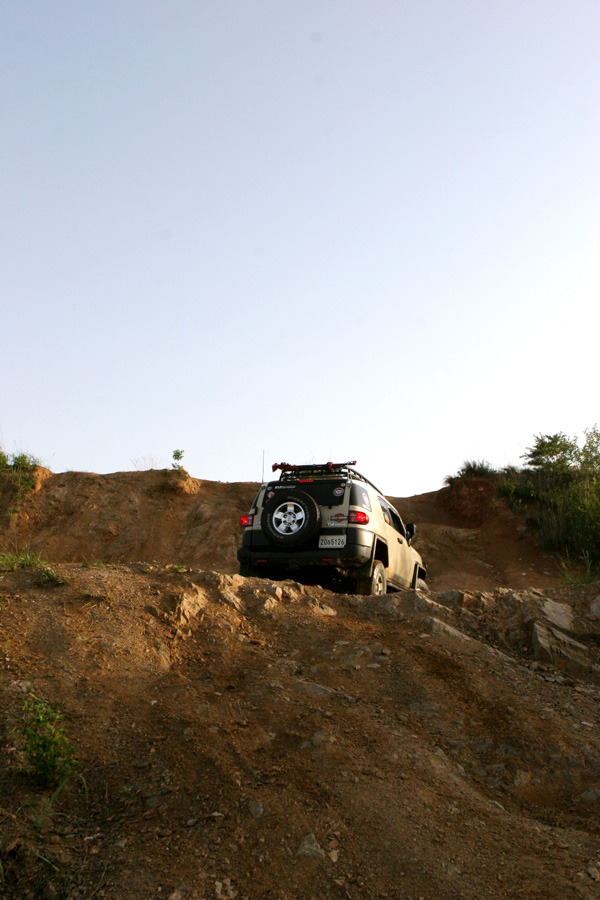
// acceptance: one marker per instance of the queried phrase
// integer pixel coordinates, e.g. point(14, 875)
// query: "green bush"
point(49, 751)
point(47, 577)
point(559, 491)
point(17, 477)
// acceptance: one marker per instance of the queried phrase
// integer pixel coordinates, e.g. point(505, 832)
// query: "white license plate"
point(332, 540)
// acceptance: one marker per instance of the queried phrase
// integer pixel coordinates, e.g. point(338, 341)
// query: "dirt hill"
point(239, 738)
point(468, 537)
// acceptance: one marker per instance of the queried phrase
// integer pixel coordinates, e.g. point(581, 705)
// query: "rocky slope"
point(242, 738)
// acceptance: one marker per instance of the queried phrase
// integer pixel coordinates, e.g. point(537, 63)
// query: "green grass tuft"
point(11, 561)
point(92, 563)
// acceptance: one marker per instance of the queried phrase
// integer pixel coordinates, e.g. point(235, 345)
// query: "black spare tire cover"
point(290, 519)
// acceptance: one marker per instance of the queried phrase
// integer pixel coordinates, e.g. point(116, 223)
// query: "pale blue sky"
point(319, 229)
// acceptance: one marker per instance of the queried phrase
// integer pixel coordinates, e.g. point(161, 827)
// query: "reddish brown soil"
point(472, 541)
point(238, 738)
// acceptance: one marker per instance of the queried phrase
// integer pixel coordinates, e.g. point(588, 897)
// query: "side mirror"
point(410, 531)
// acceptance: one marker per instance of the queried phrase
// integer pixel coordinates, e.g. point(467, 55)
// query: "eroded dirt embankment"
point(466, 534)
point(160, 515)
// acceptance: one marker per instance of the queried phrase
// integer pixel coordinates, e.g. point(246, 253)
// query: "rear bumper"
point(355, 554)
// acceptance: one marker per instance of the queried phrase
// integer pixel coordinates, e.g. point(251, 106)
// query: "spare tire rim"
point(289, 518)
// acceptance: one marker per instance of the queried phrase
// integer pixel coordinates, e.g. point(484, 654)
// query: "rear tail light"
point(246, 521)
point(358, 517)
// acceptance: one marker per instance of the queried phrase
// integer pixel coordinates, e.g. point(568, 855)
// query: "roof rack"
point(290, 472)
point(288, 467)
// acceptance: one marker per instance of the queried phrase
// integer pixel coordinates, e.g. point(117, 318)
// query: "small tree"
point(177, 457)
point(552, 453)
point(588, 457)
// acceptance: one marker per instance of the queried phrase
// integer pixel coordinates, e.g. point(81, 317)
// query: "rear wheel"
point(376, 584)
point(247, 570)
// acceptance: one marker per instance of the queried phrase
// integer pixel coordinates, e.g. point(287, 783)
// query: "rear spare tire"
point(290, 520)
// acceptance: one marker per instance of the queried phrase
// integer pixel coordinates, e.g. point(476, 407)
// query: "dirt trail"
point(246, 739)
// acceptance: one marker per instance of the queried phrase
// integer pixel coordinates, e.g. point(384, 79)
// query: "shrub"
point(49, 751)
point(559, 490)
point(473, 468)
point(47, 577)
point(477, 468)
point(17, 477)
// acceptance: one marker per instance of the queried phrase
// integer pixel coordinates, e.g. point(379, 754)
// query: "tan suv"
point(329, 516)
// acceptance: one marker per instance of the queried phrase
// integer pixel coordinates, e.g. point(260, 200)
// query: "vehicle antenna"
point(263, 468)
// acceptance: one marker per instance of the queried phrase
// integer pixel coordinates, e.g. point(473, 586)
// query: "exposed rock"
point(231, 598)
point(319, 690)
point(550, 645)
point(452, 598)
point(425, 604)
point(190, 604)
point(436, 626)
point(179, 893)
point(324, 609)
point(310, 847)
point(269, 605)
point(558, 614)
point(224, 890)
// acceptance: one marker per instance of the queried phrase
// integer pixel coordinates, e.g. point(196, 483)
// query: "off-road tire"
point(247, 570)
point(376, 584)
point(290, 520)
